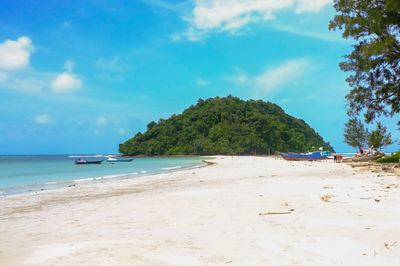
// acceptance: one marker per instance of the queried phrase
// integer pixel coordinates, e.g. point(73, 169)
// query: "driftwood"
point(271, 213)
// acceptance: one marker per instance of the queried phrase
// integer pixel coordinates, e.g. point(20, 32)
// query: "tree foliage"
point(225, 126)
point(379, 138)
point(355, 135)
point(375, 60)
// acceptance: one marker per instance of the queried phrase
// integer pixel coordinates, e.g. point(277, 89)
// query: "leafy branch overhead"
point(375, 60)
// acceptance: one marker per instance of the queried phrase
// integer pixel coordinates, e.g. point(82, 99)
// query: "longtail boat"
point(291, 156)
point(84, 161)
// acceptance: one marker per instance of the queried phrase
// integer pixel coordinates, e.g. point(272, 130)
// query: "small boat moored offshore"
point(312, 156)
point(84, 161)
point(117, 160)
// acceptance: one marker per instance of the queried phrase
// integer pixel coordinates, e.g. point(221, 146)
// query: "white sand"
point(211, 216)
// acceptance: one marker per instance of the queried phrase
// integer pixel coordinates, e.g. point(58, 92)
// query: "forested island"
point(228, 126)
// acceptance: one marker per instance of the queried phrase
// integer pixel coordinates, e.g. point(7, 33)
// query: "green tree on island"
point(379, 138)
point(375, 60)
point(355, 134)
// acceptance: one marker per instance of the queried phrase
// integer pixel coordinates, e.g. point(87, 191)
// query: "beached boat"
point(84, 161)
point(312, 156)
point(118, 160)
point(360, 159)
point(365, 156)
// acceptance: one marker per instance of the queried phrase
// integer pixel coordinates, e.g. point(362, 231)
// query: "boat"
point(292, 156)
point(84, 161)
point(366, 156)
point(117, 160)
point(360, 159)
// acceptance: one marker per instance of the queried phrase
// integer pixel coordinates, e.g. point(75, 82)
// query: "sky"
point(84, 76)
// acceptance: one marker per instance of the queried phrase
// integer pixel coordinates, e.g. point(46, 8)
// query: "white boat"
point(118, 160)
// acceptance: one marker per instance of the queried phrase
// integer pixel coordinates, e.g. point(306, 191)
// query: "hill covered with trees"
point(225, 125)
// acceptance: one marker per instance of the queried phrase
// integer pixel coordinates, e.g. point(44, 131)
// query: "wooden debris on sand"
point(280, 212)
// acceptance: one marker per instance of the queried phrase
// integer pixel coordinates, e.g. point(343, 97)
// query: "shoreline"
point(76, 183)
point(242, 211)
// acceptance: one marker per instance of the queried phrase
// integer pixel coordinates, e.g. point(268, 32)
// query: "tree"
point(151, 125)
point(379, 138)
point(375, 60)
point(355, 134)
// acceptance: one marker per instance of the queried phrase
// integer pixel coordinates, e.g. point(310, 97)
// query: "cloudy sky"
point(84, 76)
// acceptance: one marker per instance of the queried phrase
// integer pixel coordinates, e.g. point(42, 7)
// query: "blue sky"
point(84, 76)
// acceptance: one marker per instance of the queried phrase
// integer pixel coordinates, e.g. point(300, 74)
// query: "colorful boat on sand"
point(312, 156)
point(118, 160)
point(84, 161)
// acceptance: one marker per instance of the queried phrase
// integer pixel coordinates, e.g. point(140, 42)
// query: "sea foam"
point(83, 180)
point(172, 168)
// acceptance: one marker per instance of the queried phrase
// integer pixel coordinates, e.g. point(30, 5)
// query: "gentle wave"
point(172, 168)
point(112, 176)
point(83, 180)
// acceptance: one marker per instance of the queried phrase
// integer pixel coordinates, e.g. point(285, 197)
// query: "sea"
point(29, 173)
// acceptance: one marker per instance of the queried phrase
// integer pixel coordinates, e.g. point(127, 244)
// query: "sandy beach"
point(239, 211)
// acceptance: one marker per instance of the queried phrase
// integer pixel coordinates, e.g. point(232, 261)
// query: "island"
point(226, 126)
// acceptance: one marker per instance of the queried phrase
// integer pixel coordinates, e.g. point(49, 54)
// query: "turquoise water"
point(20, 174)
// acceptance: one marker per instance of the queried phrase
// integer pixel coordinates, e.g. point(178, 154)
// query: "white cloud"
point(273, 79)
point(69, 65)
point(110, 69)
point(27, 84)
point(101, 121)
point(121, 131)
point(192, 34)
point(311, 5)
point(176, 37)
point(239, 78)
point(66, 82)
point(230, 15)
point(28, 81)
point(322, 35)
point(15, 55)
point(43, 119)
point(202, 82)
point(3, 77)
point(112, 64)
point(276, 77)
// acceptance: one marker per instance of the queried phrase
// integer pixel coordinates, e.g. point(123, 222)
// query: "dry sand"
point(242, 211)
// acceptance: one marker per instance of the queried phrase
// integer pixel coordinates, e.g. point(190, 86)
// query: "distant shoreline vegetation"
point(225, 126)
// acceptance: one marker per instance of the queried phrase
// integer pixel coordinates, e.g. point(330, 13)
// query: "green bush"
point(394, 158)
